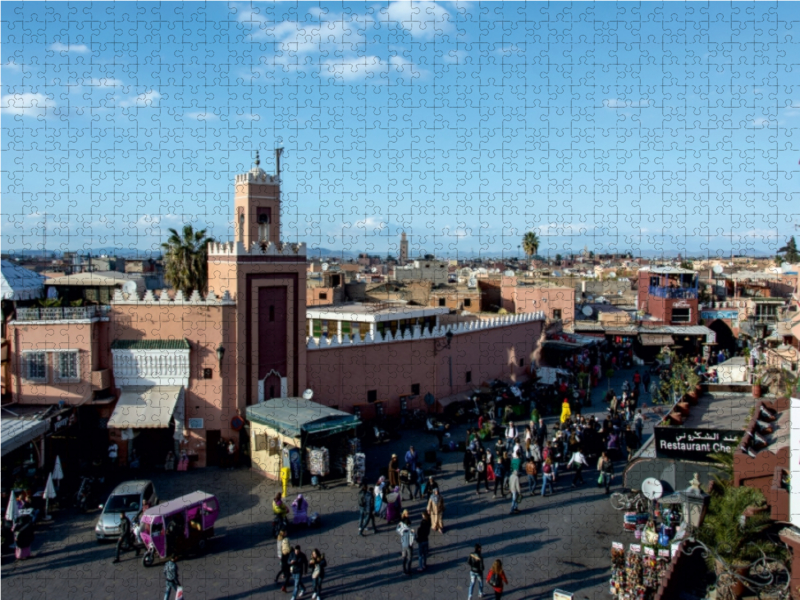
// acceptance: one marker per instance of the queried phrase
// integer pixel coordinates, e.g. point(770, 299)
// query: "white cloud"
point(12, 66)
point(761, 122)
point(372, 68)
point(103, 82)
point(79, 48)
point(27, 105)
point(423, 20)
point(149, 98)
point(619, 103)
point(202, 116)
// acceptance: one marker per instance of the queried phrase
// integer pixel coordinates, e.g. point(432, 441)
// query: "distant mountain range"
point(348, 254)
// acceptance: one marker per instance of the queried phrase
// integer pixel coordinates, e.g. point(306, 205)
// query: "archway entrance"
point(725, 337)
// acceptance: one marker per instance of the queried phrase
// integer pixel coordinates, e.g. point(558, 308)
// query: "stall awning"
point(652, 339)
point(147, 407)
point(561, 345)
point(292, 416)
point(15, 433)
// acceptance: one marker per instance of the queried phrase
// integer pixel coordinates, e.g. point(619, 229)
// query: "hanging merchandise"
point(635, 576)
point(356, 467)
point(318, 461)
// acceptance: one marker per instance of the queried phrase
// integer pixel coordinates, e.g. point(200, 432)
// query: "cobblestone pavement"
point(559, 541)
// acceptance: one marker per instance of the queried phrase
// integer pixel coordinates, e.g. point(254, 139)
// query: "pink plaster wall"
point(526, 299)
point(206, 327)
point(341, 376)
point(84, 337)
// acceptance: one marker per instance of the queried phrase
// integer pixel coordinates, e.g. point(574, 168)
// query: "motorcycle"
point(85, 496)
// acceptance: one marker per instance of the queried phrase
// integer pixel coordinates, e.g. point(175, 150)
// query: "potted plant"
point(693, 383)
point(758, 379)
point(736, 542)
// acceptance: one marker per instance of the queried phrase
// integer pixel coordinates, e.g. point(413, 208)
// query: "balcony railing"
point(62, 313)
point(673, 293)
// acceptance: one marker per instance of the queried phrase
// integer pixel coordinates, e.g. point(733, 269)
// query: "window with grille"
point(67, 366)
point(35, 366)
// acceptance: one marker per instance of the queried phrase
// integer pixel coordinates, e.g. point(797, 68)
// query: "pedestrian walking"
point(638, 425)
point(317, 565)
point(606, 468)
point(284, 551)
point(436, 511)
point(364, 503)
point(171, 577)
point(482, 474)
point(423, 534)
point(547, 476)
point(394, 472)
point(579, 461)
point(516, 492)
point(231, 455)
point(126, 537)
point(406, 476)
point(497, 579)
point(411, 458)
point(419, 479)
point(298, 563)
point(530, 472)
point(406, 544)
point(498, 477)
point(475, 562)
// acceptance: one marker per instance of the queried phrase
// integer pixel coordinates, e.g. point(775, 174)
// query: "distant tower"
point(403, 249)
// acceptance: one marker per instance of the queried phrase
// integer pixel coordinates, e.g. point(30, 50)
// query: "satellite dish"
point(472, 282)
point(308, 394)
point(587, 311)
point(718, 269)
point(652, 488)
point(129, 289)
point(509, 273)
point(374, 269)
point(325, 266)
point(612, 275)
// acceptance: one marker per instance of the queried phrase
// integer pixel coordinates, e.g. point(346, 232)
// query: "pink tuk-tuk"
point(180, 526)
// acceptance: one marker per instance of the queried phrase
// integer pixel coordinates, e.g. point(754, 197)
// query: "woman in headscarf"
point(23, 537)
point(300, 507)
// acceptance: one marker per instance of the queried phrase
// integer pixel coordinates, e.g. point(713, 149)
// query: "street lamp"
point(694, 504)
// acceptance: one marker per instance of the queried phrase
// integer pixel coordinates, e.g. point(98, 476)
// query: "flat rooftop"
point(374, 312)
point(721, 410)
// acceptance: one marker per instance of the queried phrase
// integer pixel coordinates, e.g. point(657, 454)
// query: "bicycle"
point(634, 501)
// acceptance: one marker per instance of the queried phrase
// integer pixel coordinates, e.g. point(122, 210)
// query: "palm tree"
point(530, 244)
point(185, 260)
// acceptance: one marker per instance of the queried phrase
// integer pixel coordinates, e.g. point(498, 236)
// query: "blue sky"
point(651, 127)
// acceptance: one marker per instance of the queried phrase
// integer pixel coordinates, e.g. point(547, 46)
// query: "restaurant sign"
point(695, 444)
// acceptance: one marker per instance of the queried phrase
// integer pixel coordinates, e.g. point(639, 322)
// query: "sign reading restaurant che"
point(695, 444)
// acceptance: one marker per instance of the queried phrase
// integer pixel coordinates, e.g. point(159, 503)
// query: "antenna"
point(278, 152)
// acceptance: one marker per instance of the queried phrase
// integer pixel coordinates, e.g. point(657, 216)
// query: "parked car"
point(128, 498)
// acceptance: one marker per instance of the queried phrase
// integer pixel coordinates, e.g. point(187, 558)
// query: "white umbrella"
point(11, 511)
point(58, 474)
point(49, 493)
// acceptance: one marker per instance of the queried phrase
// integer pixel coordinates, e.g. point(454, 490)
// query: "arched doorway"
point(725, 337)
point(272, 386)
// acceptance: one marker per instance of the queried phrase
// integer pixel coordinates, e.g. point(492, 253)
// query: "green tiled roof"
point(182, 344)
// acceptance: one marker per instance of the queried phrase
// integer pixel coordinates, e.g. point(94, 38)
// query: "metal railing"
point(673, 293)
point(61, 313)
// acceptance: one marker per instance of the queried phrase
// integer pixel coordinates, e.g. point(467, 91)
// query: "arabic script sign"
point(695, 444)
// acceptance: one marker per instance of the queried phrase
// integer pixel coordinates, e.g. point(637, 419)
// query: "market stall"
point(307, 438)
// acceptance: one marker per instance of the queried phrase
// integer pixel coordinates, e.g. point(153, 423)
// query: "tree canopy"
point(186, 260)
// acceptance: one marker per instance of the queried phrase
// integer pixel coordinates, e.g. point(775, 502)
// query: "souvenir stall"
point(636, 573)
point(310, 439)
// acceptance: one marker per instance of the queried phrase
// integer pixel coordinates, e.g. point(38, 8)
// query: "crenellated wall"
point(419, 333)
point(342, 372)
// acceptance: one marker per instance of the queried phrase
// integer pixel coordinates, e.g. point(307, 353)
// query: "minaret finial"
point(258, 160)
